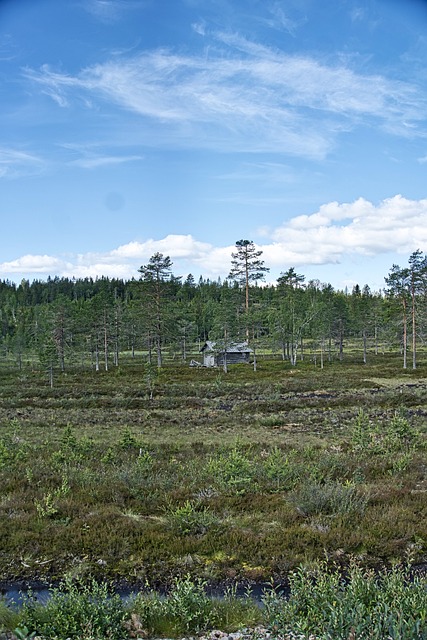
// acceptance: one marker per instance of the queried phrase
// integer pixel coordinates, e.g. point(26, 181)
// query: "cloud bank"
point(330, 235)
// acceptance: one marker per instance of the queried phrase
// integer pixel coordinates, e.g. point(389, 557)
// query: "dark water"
point(16, 593)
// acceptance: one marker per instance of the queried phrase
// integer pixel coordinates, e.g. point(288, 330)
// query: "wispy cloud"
point(15, 163)
point(92, 156)
point(280, 19)
point(101, 161)
point(109, 11)
point(334, 233)
point(243, 96)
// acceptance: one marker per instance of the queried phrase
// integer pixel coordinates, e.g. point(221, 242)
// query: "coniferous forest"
point(92, 322)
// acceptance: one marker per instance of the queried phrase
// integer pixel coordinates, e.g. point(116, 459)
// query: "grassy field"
point(139, 476)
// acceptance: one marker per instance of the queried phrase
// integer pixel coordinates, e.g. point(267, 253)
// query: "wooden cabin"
point(233, 353)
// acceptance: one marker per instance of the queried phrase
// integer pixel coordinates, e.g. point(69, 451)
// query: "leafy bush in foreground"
point(363, 605)
point(76, 611)
point(322, 604)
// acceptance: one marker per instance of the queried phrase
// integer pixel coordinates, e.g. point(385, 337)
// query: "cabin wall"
point(208, 359)
point(232, 358)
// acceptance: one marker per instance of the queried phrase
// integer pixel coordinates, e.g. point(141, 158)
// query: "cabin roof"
point(233, 347)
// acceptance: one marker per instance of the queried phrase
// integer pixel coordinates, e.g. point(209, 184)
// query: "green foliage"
point(9, 616)
point(76, 610)
point(22, 633)
point(190, 519)
point(233, 471)
point(187, 609)
point(101, 481)
point(324, 604)
point(10, 452)
point(282, 470)
point(46, 506)
point(128, 440)
point(189, 606)
point(361, 433)
point(145, 460)
point(394, 436)
point(399, 434)
point(69, 438)
point(5, 454)
point(330, 498)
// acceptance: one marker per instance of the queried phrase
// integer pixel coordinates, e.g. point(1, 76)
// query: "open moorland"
point(139, 476)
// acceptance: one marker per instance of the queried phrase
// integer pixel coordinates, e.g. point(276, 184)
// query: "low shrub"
point(281, 470)
point(322, 603)
point(233, 471)
point(76, 610)
point(191, 518)
point(325, 605)
point(186, 609)
point(331, 498)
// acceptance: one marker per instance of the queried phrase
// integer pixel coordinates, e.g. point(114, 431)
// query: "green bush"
point(190, 519)
point(282, 471)
point(185, 609)
point(189, 606)
point(76, 610)
point(233, 471)
point(363, 605)
point(330, 498)
point(395, 436)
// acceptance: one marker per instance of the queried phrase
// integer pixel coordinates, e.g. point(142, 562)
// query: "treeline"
point(63, 321)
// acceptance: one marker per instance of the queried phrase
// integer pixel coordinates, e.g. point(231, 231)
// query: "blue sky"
point(181, 126)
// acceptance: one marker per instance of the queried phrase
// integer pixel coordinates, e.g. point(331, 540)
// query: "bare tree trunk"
point(150, 349)
point(405, 336)
point(105, 342)
point(117, 340)
point(414, 332)
point(159, 352)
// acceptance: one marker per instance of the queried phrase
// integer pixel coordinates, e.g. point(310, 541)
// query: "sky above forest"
point(130, 127)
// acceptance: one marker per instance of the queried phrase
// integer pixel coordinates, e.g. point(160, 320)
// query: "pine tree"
point(246, 267)
point(157, 278)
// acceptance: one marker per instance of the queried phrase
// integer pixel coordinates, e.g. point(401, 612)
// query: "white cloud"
point(360, 228)
point(242, 96)
point(175, 246)
point(281, 20)
point(107, 11)
point(334, 234)
point(15, 163)
point(34, 264)
point(199, 27)
point(94, 162)
point(97, 270)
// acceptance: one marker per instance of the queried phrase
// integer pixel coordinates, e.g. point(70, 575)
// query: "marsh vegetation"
point(240, 477)
point(192, 477)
